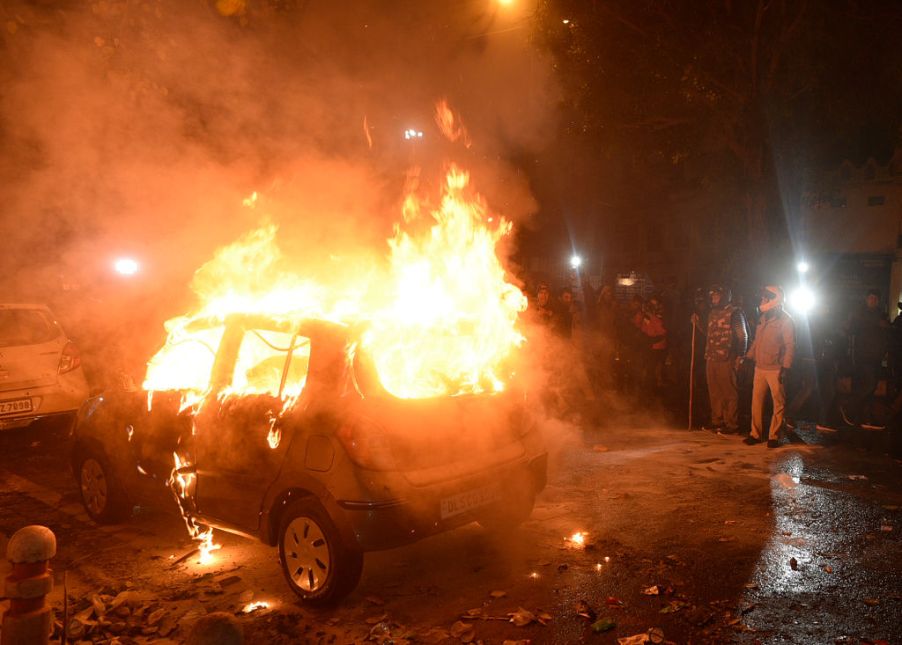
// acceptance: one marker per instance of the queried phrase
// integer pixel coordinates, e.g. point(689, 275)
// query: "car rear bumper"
point(391, 523)
point(64, 397)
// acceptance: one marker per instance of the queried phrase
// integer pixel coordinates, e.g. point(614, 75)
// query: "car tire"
point(514, 508)
point(103, 497)
point(318, 564)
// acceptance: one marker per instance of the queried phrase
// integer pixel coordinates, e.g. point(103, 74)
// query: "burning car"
point(295, 442)
point(40, 368)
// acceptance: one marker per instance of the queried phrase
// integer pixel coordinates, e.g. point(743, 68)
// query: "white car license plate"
point(15, 406)
point(463, 502)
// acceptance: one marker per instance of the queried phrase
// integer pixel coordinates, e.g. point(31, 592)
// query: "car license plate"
point(463, 502)
point(15, 406)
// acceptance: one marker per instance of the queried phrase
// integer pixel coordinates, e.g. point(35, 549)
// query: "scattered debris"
point(886, 528)
point(498, 594)
point(858, 477)
point(793, 564)
point(612, 601)
point(603, 625)
point(674, 606)
point(584, 610)
point(522, 617)
point(652, 591)
point(228, 580)
point(872, 602)
point(463, 631)
point(217, 628)
point(827, 568)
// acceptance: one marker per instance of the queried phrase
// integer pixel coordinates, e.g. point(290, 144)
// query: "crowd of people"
point(707, 358)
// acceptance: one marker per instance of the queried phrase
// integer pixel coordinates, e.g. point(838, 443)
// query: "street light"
point(802, 300)
point(126, 266)
point(412, 133)
point(802, 266)
point(576, 261)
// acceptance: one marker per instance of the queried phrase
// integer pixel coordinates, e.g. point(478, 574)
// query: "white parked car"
point(40, 368)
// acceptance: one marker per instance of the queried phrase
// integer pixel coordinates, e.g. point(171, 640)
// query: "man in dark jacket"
point(772, 350)
point(727, 336)
point(868, 339)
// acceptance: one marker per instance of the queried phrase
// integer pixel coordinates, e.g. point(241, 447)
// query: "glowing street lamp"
point(126, 266)
point(802, 266)
point(412, 134)
point(575, 261)
point(802, 300)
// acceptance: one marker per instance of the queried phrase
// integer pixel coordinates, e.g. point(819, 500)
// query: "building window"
point(876, 200)
point(838, 201)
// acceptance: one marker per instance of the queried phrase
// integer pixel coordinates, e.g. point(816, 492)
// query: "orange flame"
point(441, 317)
point(450, 124)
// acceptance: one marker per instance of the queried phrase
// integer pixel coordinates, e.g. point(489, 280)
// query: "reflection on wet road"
point(832, 557)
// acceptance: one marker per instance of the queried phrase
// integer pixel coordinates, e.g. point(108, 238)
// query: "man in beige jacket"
point(772, 350)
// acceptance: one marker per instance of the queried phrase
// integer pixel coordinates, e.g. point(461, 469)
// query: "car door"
point(238, 442)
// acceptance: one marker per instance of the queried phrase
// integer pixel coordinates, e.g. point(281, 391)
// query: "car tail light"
point(367, 445)
point(70, 358)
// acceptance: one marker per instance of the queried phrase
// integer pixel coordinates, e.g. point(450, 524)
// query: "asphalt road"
point(694, 534)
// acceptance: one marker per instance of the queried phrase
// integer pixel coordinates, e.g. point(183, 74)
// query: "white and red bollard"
point(29, 621)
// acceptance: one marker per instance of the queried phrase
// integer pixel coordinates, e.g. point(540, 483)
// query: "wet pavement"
point(690, 533)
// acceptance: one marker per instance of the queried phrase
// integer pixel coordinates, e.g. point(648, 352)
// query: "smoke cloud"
point(138, 128)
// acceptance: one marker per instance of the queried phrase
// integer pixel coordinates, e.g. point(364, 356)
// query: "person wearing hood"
point(772, 350)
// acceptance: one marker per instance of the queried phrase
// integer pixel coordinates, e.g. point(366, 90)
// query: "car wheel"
point(318, 565)
point(103, 498)
point(514, 508)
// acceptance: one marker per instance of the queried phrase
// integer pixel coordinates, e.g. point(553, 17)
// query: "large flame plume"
point(440, 315)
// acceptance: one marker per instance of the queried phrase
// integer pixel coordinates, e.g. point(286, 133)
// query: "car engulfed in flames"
point(331, 420)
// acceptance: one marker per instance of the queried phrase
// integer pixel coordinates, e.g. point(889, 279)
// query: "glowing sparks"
point(577, 540)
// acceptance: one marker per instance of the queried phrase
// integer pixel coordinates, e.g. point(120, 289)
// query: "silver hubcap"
point(307, 555)
point(93, 486)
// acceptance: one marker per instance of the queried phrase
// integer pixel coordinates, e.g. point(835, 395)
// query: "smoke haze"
point(137, 128)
